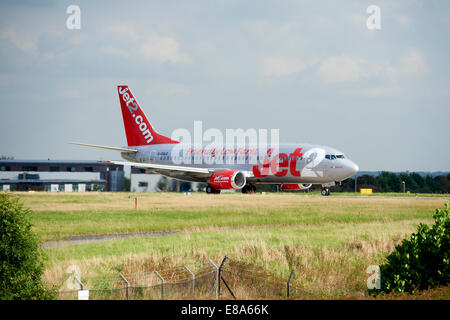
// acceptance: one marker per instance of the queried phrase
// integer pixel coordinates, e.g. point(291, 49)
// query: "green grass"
point(381, 194)
point(214, 242)
point(178, 212)
point(329, 241)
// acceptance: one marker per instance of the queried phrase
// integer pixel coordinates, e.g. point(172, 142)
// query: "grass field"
point(328, 241)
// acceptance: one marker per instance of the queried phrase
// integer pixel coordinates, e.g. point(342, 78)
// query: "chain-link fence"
point(241, 280)
point(174, 283)
point(231, 279)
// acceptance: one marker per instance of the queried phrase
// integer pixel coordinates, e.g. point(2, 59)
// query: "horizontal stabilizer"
point(127, 150)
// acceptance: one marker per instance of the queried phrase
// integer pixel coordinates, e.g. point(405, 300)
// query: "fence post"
point(193, 279)
point(126, 282)
point(79, 282)
point(216, 276)
point(292, 273)
point(162, 284)
point(82, 294)
point(220, 275)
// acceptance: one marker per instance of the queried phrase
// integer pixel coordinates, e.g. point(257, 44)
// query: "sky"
point(312, 69)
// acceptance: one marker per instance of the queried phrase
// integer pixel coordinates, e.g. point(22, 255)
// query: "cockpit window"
point(334, 156)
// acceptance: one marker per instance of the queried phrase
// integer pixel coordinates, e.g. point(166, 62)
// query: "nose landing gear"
point(326, 188)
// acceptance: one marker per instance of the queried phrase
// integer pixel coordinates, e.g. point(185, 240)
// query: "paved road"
point(102, 237)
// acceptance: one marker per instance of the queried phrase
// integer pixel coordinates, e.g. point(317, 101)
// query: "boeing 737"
point(292, 166)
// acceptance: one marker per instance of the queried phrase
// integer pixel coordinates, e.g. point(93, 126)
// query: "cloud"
point(25, 43)
point(341, 68)
point(155, 47)
point(411, 64)
point(162, 49)
point(388, 91)
point(167, 89)
point(281, 66)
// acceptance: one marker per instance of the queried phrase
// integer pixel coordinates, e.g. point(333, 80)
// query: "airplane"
point(291, 166)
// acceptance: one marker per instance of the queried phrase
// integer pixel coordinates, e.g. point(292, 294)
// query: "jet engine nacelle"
point(227, 179)
point(295, 186)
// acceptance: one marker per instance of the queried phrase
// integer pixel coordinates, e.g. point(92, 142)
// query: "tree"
point(418, 180)
point(201, 187)
point(368, 182)
point(127, 183)
point(21, 260)
point(389, 182)
point(442, 184)
point(163, 184)
point(422, 260)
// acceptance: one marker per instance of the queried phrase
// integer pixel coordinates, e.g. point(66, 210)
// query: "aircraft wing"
point(155, 166)
point(199, 172)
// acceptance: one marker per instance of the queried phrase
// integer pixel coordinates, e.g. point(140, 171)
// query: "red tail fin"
point(137, 128)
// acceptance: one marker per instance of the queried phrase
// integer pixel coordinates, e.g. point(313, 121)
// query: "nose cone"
point(353, 168)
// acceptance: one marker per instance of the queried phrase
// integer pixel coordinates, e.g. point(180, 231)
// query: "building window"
point(75, 187)
point(25, 176)
point(61, 187)
point(102, 175)
point(88, 169)
point(140, 170)
point(70, 169)
point(1, 187)
point(47, 187)
point(5, 168)
point(143, 184)
point(88, 187)
point(54, 169)
point(29, 168)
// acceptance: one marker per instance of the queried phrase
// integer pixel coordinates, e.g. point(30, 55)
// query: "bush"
point(422, 261)
point(21, 260)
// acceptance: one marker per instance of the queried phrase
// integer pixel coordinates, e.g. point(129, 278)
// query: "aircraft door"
point(153, 155)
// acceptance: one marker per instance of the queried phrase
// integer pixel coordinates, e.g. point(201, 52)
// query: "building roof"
point(46, 181)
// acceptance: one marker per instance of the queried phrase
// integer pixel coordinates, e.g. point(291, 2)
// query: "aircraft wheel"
point(209, 189)
point(325, 192)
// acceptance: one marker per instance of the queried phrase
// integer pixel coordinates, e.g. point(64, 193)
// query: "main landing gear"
point(249, 188)
point(210, 190)
point(325, 191)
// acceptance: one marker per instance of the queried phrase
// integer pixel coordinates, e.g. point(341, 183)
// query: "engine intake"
point(227, 179)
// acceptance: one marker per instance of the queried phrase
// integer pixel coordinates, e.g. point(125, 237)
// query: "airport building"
point(143, 182)
point(140, 181)
point(63, 176)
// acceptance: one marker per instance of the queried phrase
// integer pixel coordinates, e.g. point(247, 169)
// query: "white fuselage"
point(291, 163)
